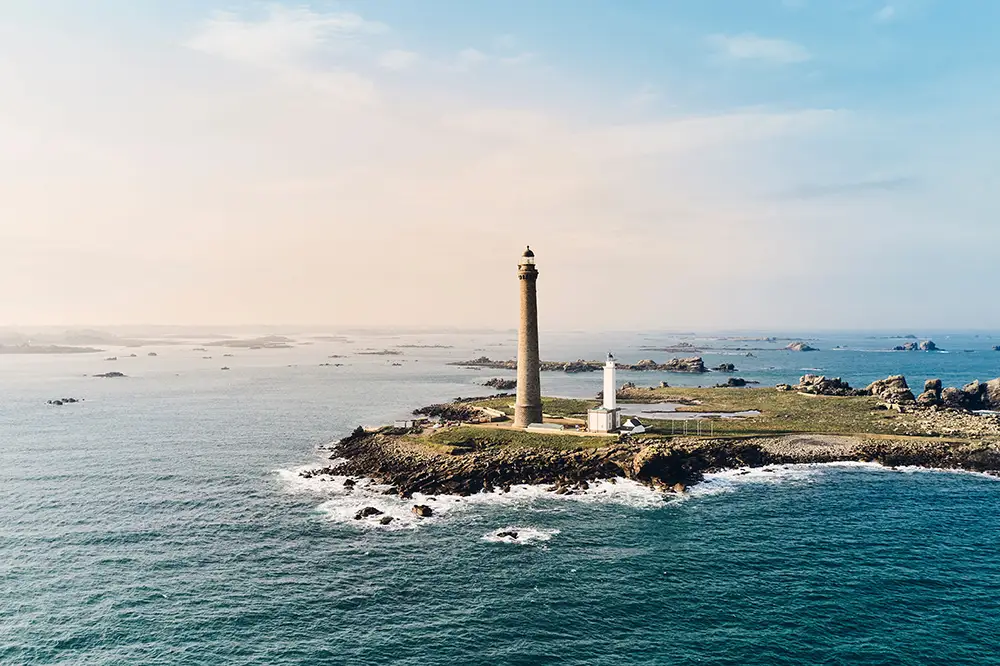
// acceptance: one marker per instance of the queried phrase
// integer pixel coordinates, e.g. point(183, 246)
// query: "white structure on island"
point(607, 417)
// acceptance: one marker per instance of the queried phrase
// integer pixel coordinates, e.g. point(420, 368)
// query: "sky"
point(686, 164)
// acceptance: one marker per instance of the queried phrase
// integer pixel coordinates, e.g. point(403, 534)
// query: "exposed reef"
point(693, 364)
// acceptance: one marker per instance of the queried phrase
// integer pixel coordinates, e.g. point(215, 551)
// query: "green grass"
point(562, 407)
point(479, 438)
point(781, 412)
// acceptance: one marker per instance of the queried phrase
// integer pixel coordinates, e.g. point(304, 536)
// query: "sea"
point(162, 520)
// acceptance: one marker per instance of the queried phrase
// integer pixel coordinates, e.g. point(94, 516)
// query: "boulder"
point(892, 390)
point(733, 382)
point(678, 488)
point(784, 387)
point(366, 512)
point(422, 511)
point(385, 520)
point(996, 347)
point(800, 346)
point(953, 398)
point(927, 345)
point(991, 396)
point(929, 399)
point(664, 385)
point(111, 374)
point(933, 385)
point(507, 533)
point(725, 367)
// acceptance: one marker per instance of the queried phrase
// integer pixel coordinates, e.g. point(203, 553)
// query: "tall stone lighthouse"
point(528, 407)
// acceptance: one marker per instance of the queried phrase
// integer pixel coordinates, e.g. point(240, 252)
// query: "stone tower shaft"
point(528, 406)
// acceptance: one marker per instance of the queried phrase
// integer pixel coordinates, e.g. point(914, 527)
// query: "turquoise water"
point(161, 522)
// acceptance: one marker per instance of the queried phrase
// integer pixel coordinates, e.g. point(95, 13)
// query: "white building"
point(607, 417)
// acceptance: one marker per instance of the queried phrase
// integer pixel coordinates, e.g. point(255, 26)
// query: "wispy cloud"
point(886, 14)
point(748, 46)
point(643, 97)
point(397, 59)
point(867, 186)
point(281, 34)
point(286, 41)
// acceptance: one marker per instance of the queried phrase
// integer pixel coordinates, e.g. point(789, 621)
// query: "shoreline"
point(406, 467)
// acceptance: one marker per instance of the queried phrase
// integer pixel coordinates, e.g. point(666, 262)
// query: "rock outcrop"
point(725, 367)
point(693, 364)
point(923, 345)
point(821, 385)
point(892, 391)
point(800, 346)
point(501, 384)
point(111, 374)
point(422, 511)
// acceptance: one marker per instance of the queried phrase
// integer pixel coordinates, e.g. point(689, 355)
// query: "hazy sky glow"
point(702, 164)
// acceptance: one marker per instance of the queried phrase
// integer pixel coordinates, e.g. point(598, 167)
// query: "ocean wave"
point(521, 536)
point(344, 500)
point(731, 480)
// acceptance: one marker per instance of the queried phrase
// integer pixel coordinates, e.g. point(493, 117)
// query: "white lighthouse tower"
point(607, 417)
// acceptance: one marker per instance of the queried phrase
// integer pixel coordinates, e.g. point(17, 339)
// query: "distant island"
point(694, 364)
point(264, 342)
point(46, 349)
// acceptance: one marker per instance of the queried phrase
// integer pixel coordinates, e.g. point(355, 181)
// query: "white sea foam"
point(525, 535)
point(731, 480)
point(343, 502)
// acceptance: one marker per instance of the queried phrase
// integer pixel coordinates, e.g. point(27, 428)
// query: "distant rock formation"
point(736, 382)
point(923, 345)
point(693, 364)
point(821, 385)
point(501, 384)
point(725, 367)
point(800, 346)
point(111, 374)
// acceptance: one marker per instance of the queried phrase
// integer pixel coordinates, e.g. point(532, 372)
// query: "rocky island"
point(693, 364)
point(466, 449)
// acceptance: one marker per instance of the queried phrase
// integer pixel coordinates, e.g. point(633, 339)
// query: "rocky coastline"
point(390, 457)
point(693, 364)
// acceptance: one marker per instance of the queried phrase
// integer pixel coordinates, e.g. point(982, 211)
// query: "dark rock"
point(349, 483)
point(508, 533)
point(784, 387)
point(733, 382)
point(664, 385)
point(501, 384)
point(927, 345)
point(422, 510)
point(385, 520)
point(725, 367)
point(366, 512)
point(933, 385)
point(111, 374)
point(996, 347)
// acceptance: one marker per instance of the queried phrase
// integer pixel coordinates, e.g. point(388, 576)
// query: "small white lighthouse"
point(607, 417)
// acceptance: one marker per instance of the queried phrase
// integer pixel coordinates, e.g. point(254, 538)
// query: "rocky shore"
point(402, 462)
point(694, 364)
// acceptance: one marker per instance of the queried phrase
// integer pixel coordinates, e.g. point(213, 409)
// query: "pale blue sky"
point(710, 163)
